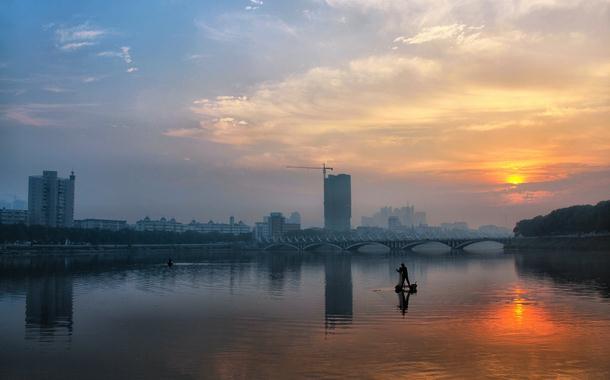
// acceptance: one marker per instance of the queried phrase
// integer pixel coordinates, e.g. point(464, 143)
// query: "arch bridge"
point(396, 244)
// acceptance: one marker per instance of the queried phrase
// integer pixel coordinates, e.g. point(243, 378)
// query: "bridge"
point(352, 241)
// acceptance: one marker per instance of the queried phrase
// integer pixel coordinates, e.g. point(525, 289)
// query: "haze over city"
point(485, 112)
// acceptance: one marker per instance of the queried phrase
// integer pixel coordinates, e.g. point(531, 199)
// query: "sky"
point(479, 111)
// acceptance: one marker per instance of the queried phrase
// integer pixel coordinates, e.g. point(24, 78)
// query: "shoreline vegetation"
point(574, 221)
point(42, 235)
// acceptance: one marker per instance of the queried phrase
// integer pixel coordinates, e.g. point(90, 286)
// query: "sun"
point(515, 179)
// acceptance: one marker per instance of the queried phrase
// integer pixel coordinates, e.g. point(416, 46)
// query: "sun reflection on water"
point(523, 317)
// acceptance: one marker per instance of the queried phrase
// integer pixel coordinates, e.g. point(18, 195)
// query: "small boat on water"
point(410, 289)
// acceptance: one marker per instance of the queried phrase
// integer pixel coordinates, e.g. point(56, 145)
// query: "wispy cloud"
point(41, 114)
point(71, 38)
point(254, 5)
point(71, 46)
point(242, 27)
point(195, 57)
point(56, 89)
point(124, 53)
point(457, 32)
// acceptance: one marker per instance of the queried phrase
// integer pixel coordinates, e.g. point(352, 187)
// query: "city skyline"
point(483, 112)
point(51, 199)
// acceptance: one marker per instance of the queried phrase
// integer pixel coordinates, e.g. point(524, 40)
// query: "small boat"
point(411, 289)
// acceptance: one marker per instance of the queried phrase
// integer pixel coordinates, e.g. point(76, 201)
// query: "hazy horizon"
point(476, 111)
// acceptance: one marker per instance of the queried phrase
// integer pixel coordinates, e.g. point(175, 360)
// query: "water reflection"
point(403, 301)
point(338, 291)
point(48, 310)
point(294, 315)
point(587, 271)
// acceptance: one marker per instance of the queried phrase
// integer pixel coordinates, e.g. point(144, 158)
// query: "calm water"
point(286, 315)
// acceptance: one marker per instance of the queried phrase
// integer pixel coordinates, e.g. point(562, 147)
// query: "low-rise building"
point(13, 216)
point(163, 224)
point(275, 225)
point(101, 224)
point(223, 228)
point(171, 225)
point(261, 231)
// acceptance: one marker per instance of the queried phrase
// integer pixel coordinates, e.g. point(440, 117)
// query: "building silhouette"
point(101, 224)
point(406, 216)
point(48, 307)
point(338, 297)
point(337, 202)
point(51, 199)
point(13, 216)
point(275, 225)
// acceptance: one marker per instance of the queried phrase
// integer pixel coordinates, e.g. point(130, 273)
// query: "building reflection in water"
point(48, 308)
point(338, 290)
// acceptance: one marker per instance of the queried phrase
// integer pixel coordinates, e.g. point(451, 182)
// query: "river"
point(316, 314)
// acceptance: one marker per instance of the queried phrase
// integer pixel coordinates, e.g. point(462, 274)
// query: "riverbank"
point(78, 249)
point(600, 242)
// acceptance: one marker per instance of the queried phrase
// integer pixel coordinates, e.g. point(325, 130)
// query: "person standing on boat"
point(404, 275)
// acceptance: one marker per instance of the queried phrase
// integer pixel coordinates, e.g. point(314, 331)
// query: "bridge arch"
point(474, 241)
point(414, 244)
point(355, 246)
point(321, 244)
point(279, 245)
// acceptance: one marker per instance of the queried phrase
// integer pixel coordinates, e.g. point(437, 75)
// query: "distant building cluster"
point(395, 218)
point(275, 225)
point(9, 216)
point(51, 203)
point(101, 224)
point(171, 225)
point(15, 204)
point(455, 226)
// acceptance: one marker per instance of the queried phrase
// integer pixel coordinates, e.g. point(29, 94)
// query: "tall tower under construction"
point(337, 202)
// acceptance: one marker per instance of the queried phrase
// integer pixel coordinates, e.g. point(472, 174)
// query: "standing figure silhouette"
point(404, 276)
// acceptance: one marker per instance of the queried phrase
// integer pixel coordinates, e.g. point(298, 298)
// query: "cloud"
point(254, 5)
point(75, 45)
point(246, 28)
point(90, 79)
point(41, 114)
point(76, 37)
point(196, 57)
point(123, 53)
point(443, 32)
point(439, 111)
point(56, 89)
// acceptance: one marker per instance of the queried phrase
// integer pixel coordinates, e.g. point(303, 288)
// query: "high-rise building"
point(337, 202)
point(51, 199)
point(276, 224)
point(294, 218)
point(420, 218)
point(394, 223)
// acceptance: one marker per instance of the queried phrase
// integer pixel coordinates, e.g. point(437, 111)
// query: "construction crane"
point(324, 168)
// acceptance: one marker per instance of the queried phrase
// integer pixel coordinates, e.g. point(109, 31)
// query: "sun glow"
point(515, 179)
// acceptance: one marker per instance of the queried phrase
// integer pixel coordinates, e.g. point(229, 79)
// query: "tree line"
point(11, 233)
point(566, 221)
